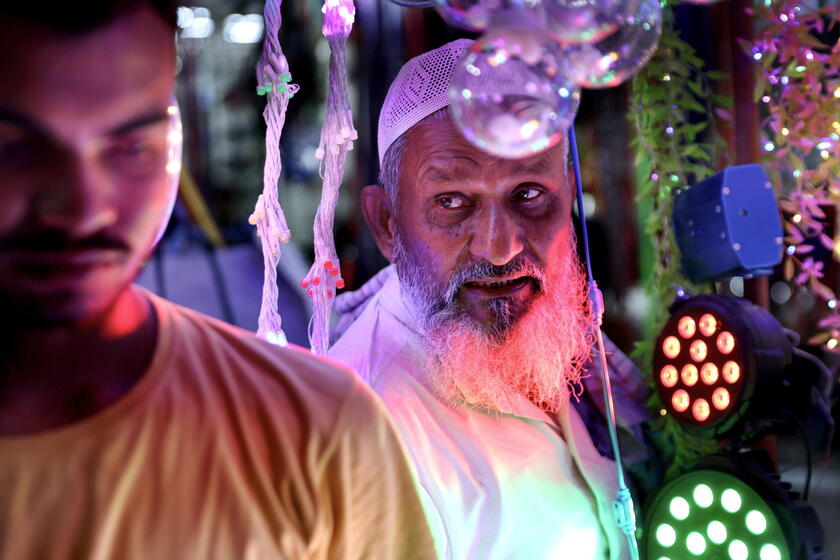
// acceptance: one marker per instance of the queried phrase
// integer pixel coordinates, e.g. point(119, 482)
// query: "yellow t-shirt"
point(227, 448)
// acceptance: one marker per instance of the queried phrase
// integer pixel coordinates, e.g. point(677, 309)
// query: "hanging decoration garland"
point(673, 102)
point(337, 136)
point(274, 82)
point(799, 88)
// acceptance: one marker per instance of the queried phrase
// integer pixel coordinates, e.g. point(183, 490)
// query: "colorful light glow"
point(669, 376)
point(703, 495)
point(716, 532)
point(731, 372)
point(680, 400)
point(709, 373)
point(679, 508)
point(756, 522)
point(689, 375)
point(721, 398)
point(695, 543)
point(708, 324)
point(666, 535)
point(700, 410)
point(725, 342)
point(730, 499)
point(687, 327)
point(738, 550)
point(671, 346)
point(698, 351)
point(770, 552)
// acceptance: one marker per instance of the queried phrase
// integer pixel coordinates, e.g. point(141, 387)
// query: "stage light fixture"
point(710, 357)
point(730, 508)
point(728, 225)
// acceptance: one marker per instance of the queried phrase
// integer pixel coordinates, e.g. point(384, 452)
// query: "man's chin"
point(56, 309)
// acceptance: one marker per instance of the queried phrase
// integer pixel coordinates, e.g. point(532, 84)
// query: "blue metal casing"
point(729, 225)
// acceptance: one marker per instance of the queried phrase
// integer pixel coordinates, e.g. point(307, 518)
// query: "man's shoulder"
point(233, 356)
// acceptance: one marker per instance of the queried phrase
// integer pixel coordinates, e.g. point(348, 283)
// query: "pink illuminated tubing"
point(689, 375)
point(687, 327)
point(680, 400)
point(669, 376)
point(700, 410)
point(709, 373)
point(721, 398)
point(671, 347)
point(708, 324)
point(731, 372)
point(698, 351)
point(725, 342)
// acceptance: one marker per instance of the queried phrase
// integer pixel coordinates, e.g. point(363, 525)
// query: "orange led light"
point(680, 400)
point(721, 398)
point(709, 373)
point(731, 372)
point(671, 346)
point(669, 376)
point(689, 374)
point(698, 350)
point(708, 325)
point(700, 410)
point(725, 342)
point(686, 327)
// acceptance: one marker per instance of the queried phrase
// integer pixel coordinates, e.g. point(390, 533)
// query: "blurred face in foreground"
point(485, 253)
point(85, 141)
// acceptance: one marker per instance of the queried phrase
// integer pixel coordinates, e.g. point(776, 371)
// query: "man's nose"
point(496, 237)
point(76, 197)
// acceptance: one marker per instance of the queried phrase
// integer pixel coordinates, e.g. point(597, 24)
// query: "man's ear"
point(379, 215)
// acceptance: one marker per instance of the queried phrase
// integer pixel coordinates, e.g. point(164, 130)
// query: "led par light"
point(728, 225)
point(730, 509)
point(717, 359)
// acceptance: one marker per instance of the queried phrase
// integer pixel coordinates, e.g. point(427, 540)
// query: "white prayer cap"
point(420, 89)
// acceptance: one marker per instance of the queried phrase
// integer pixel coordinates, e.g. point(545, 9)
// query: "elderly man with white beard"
point(476, 337)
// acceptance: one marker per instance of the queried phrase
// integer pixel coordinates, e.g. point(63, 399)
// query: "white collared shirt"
point(494, 486)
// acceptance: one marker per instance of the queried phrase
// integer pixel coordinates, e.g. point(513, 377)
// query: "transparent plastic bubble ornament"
point(612, 60)
point(509, 96)
point(478, 15)
point(585, 21)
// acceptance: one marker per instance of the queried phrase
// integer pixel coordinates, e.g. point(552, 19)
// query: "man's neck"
point(53, 377)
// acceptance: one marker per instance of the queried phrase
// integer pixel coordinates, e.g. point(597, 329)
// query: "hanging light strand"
point(274, 81)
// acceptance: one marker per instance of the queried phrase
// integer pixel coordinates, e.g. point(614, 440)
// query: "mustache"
point(521, 265)
point(56, 240)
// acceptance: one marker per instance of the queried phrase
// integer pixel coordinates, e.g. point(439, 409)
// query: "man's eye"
point(451, 202)
point(132, 149)
point(527, 194)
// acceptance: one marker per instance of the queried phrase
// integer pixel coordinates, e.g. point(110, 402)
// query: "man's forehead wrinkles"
point(441, 167)
point(540, 166)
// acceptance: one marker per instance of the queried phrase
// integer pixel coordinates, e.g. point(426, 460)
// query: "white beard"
point(538, 355)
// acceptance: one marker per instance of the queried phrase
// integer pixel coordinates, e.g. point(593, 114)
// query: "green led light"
point(717, 532)
point(731, 500)
point(666, 535)
point(679, 508)
point(756, 522)
point(770, 552)
point(712, 514)
point(695, 543)
point(703, 495)
point(738, 550)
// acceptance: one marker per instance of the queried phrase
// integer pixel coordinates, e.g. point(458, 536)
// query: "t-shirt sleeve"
point(369, 487)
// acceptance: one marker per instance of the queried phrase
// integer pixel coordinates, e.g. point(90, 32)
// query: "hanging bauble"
point(585, 21)
point(478, 15)
point(621, 54)
point(509, 96)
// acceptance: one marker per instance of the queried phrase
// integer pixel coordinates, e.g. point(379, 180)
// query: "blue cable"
point(623, 512)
